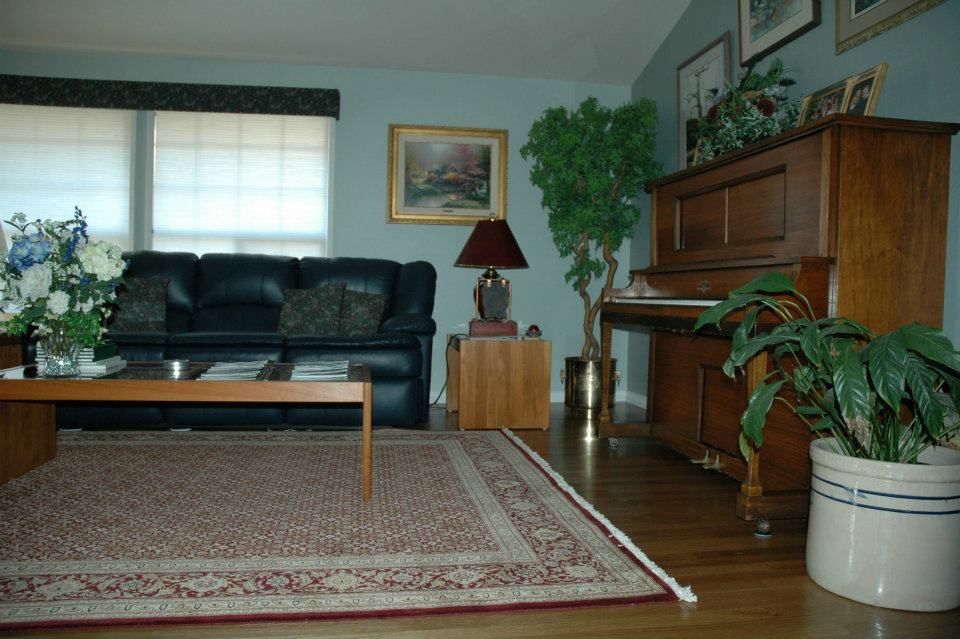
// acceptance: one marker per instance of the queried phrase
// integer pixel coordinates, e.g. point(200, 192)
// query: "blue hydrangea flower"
point(28, 250)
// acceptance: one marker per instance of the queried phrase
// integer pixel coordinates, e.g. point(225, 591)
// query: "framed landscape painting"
point(440, 175)
point(698, 78)
point(860, 20)
point(767, 25)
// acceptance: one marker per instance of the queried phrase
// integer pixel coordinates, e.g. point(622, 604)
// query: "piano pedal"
point(705, 460)
point(762, 530)
point(716, 465)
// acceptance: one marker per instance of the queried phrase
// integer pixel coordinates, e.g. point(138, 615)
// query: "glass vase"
point(62, 353)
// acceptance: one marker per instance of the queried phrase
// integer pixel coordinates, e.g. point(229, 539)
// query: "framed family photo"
point(767, 25)
point(856, 95)
point(442, 175)
point(860, 20)
point(698, 79)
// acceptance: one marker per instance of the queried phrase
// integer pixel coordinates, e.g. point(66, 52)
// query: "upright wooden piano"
point(852, 208)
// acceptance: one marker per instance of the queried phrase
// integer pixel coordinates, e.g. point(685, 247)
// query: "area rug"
point(135, 528)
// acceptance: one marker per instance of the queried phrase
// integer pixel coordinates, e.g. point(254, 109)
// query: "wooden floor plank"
point(682, 517)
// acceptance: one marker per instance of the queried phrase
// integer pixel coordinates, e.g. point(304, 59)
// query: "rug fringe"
point(684, 593)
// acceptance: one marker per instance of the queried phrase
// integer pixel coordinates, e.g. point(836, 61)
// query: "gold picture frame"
point(864, 91)
point(855, 95)
point(826, 101)
point(861, 20)
point(446, 175)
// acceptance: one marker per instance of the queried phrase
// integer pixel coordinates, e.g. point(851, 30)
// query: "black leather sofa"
point(227, 307)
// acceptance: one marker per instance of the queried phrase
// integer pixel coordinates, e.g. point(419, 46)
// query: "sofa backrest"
point(241, 293)
point(238, 292)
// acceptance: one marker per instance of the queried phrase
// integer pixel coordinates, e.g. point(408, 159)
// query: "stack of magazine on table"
point(319, 371)
point(234, 370)
point(101, 359)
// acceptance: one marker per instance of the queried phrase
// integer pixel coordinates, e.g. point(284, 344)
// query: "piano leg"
point(606, 337)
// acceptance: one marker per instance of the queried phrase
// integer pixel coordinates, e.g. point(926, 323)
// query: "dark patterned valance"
point(168, 96)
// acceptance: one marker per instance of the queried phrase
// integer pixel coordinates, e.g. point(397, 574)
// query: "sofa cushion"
point(142, 305)
point(180, 270)
point(311, 311)
point(362, 313)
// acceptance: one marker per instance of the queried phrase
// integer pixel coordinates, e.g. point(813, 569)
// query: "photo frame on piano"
point(698, 79)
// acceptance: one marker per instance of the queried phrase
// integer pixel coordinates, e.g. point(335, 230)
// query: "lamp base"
point(493, 328)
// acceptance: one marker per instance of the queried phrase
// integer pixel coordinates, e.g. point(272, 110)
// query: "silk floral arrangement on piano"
point(56, 279)
point(755, 108)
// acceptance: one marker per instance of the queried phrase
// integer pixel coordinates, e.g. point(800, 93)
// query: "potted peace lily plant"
point(62, 284)
point(884, 522)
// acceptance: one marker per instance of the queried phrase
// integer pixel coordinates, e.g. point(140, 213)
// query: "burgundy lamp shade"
point(491, 245)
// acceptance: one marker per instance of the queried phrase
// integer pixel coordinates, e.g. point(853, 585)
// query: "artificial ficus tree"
point(591, 163)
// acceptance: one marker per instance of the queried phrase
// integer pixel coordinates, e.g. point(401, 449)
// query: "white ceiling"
point(604, 41)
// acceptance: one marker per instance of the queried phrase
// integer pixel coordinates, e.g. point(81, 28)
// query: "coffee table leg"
point(28, 437)
point(366, 453)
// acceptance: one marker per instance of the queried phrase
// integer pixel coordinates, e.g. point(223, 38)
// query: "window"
point(55, 158)
point(221, 182)
point(227, 182)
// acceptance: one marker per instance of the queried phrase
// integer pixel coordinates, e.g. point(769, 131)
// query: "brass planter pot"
point(581, 378)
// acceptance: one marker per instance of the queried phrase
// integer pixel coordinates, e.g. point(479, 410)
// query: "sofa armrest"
point(410, 323)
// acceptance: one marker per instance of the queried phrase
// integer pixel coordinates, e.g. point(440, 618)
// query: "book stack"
point(101, 359)
point(234, 370)
point(99, 367)
point(320, 371)
point(104, 350)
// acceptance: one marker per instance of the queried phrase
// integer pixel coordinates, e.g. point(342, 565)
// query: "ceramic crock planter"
point(883, 533)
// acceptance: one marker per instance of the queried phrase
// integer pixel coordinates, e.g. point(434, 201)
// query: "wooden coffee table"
point(28, 431)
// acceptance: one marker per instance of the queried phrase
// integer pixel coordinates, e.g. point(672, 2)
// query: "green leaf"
point(886, 360)
point(770, 282)
point(811, 344)
point(754, 418)
point(921, 381)
point(745, 328)
point(825, 423)
point(809, 410)
point(850, 383)
point(718, 311)
point(932, 344)
point(744, 445)
point(753, 346)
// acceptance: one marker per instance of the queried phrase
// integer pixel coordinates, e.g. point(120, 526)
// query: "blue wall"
point(371, 100)
point(922, 83)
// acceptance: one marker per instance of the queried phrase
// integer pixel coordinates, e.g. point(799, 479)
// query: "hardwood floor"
point(682, 516)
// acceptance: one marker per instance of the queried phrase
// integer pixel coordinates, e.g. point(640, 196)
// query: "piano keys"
point(853, 209)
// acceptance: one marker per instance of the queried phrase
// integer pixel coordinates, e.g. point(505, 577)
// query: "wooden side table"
point(499, 383)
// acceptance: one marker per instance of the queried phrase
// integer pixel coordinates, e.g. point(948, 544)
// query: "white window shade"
point(55, 158)
point(246, 183)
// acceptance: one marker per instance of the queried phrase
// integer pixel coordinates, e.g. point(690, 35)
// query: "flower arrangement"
point(755, 108)
point(56, 278)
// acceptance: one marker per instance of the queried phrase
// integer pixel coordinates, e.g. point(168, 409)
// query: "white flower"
point(58, 303)
point(102, 259)
point(36, 282)
point(85, 307)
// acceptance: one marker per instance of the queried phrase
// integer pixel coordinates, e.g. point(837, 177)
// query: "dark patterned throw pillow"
point(311, 311)
point(141, 305)
point(362, 313)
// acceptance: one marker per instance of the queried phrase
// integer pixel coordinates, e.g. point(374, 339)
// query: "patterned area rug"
point(197, 527)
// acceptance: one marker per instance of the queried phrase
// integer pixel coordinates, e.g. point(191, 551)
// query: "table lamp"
point(490, 246)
